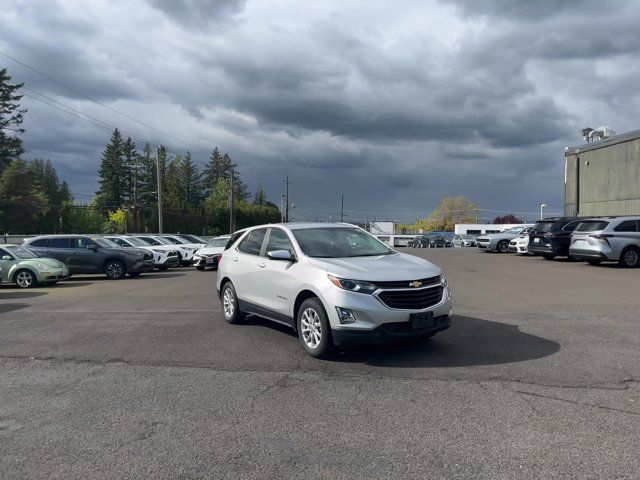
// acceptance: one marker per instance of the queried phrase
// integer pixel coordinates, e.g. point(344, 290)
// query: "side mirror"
point(92, 247)
point(283, 255)
point(6, 257)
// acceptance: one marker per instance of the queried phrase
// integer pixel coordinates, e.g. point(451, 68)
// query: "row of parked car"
point(595, 240)
point(439, 240)
point(47, 259)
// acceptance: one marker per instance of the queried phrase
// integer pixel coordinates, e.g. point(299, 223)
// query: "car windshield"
point(21, 253)
point(513, 230)
point(218, 242)
point(162, 241)
point(105, 242)
point(136, 241)
point(468, 237)
point(192, 238)
point(338, 243)
point(174, 240)
point(591, 226)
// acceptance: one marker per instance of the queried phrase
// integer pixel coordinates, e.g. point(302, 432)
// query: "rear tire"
point(314, 330)
point(25, 279)
point(630, 257)
point(230, 306)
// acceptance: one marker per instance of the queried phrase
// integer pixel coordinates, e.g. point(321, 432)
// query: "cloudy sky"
point(393, 104)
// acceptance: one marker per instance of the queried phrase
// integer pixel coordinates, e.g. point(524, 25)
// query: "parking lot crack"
point(575, 402)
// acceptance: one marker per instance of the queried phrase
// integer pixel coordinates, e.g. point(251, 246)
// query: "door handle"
point(262, 265)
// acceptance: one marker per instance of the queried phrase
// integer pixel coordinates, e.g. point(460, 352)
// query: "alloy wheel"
point(24, 279)
point(228, 302)
point(311, 328)
point(114, 270)
point(631, 258)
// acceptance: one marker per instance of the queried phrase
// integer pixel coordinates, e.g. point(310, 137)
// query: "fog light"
point(345, 315)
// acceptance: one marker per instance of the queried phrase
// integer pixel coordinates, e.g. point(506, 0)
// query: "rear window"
point(543, 227)
point(591, 226)
point(627, 226)
point(252, 244)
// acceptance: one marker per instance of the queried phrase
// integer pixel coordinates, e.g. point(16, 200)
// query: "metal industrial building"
point(603, 177)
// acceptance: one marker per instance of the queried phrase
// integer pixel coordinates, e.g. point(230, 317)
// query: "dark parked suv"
point(551, 237)
point(92, 254)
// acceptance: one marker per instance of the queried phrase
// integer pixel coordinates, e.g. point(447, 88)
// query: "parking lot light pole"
point(542, 205)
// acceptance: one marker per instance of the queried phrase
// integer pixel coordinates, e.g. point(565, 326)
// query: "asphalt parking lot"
point(142, 378)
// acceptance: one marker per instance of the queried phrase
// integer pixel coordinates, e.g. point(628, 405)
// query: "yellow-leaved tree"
point(451, 210)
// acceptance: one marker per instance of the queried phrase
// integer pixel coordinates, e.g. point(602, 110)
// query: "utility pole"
point(286, 198)
point(342, 210)
point(159, 181)
point(135, 199)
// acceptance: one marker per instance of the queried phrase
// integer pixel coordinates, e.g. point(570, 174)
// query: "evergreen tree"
point(11, 117)
point(260, 198)
point(57, 195)
point(131, 166)
point(113, 174)
point(213, 171)
point(192, 183)
point(21, 203)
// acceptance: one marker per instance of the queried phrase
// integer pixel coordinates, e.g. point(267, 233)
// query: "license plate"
point(209, 261)
point(536, 240)
point(421, 320)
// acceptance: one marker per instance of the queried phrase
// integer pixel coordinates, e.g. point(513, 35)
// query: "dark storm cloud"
point(198, 12)
point(394, 108)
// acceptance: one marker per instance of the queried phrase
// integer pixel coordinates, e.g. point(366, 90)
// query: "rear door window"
point(59, 243)
point(252, 244)
point(570, 227)
point(627, 226)
point(80, 242)
point(40, 243)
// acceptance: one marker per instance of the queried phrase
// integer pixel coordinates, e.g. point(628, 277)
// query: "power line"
point(88, 97)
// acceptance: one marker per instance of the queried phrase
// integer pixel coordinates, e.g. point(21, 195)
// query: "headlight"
point(443, 281)
point(353, 285)
point(41, 266)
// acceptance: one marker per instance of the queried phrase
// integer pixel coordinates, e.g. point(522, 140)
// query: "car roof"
point(302, 225)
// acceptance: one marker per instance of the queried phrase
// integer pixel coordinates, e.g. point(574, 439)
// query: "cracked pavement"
point(142, 378)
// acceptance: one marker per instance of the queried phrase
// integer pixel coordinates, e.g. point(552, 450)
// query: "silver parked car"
point(607, 239)
point(334, 284)
point(499, 242)
point(464, 240)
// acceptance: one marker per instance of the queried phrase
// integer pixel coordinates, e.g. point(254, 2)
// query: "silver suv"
point(607, 239)
point(334, 284)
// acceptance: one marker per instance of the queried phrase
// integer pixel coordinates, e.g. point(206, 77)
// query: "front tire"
point(503, 246)
point(115, 270)
point(230, 306)
point(25, 279)
point(314, 330)
point(630, 257)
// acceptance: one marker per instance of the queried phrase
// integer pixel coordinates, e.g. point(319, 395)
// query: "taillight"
point(603, 237)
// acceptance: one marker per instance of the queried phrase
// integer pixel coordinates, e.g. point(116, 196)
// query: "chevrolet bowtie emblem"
point(416, 284)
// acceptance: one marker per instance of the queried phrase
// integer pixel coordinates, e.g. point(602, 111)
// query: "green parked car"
point(24, 268)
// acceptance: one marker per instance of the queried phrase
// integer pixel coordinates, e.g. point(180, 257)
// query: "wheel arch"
point(301, 297)
point(110, 259)
point(14, 275)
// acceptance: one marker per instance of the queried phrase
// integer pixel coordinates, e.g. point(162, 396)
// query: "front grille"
point(483, 240)
point(406, 283)
point(398, 328)
point(412, 299)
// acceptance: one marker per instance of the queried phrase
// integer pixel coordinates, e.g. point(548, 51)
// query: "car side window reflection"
point(252, 245)
point(279, 240)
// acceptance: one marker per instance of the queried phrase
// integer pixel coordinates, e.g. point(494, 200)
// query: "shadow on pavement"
point(10, 307)
point(12, 295)
point(94, 278)
point(146, 276)
point(255, 320)
point(470, 341)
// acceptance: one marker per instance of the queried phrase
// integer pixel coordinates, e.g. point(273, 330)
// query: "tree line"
point(34, 200)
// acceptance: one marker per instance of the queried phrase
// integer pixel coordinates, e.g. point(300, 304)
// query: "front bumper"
point(140, 266)
point(173, 261)
point(211, 262)
point(389, 332)
point(374, 319)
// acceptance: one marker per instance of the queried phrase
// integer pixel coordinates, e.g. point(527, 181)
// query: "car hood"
point(49, 262)
point(210, 251)
point(500, 236)
point(398, 266)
